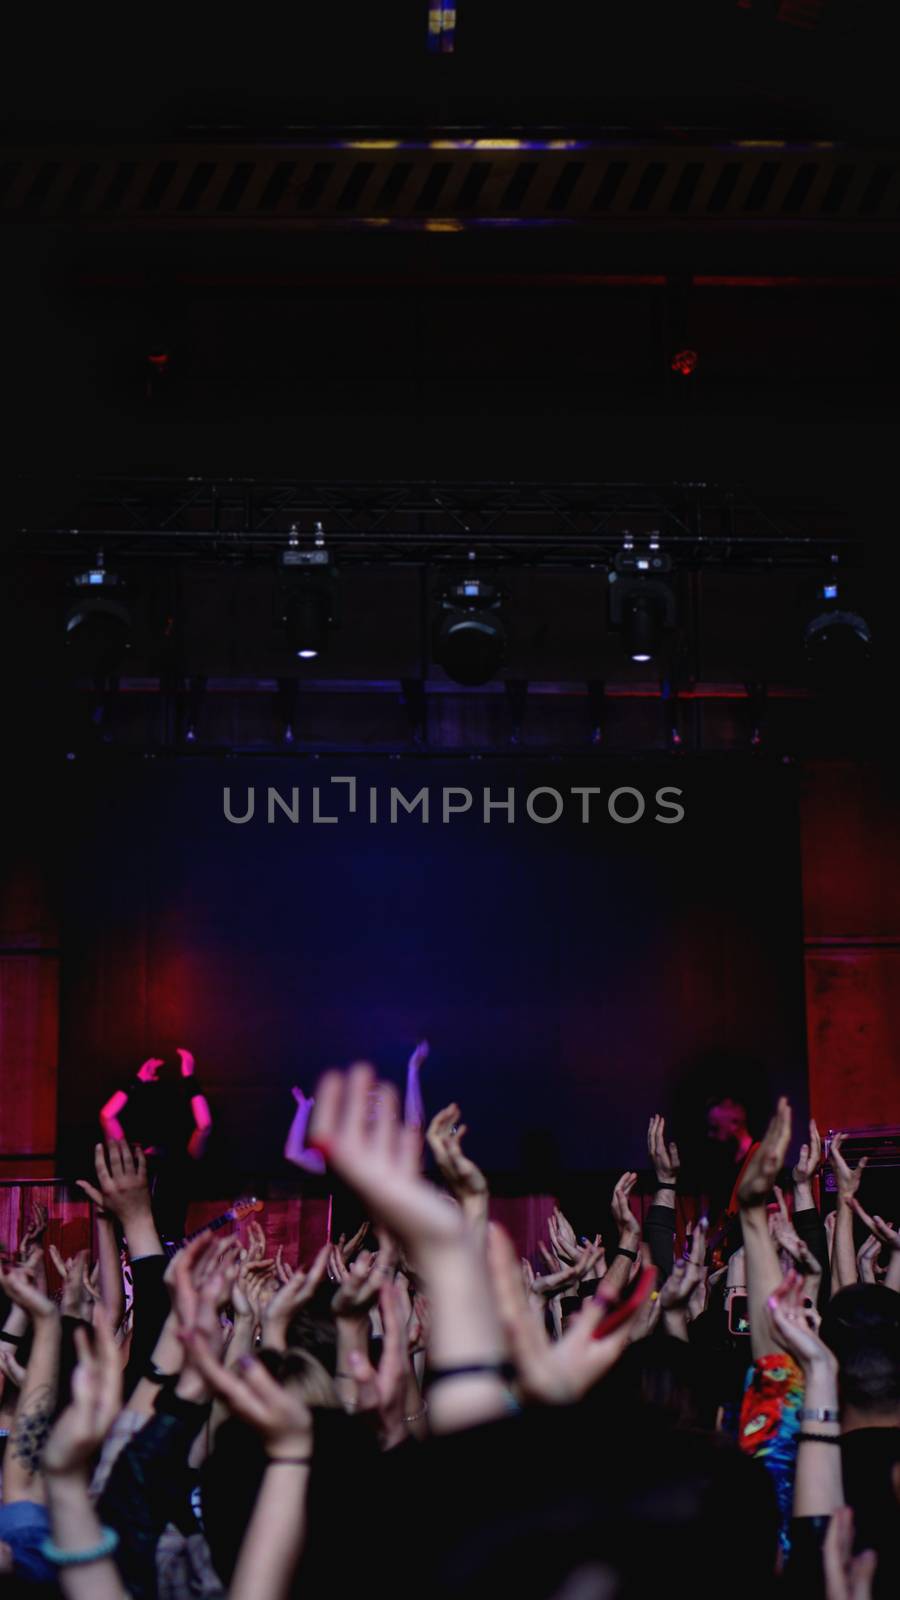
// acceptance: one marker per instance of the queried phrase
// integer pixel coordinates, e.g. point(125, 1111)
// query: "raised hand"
point(295, 1292)
point(883, 1231)
point(382, 1391)
point(665, 1157)
point(96, 1398)
point(122, 1177)
point(364, 1140)
point(148, 1071)
point(278, 1412)
point(562, 1237)
point(553, 1373)
point(848, 1178)
point(463, 1178)
point(625, 1220)
point(9, 1367)
point(76, 1300)
point(796, 1325)
point(558, 1278)
point(24, 1292)
point(867, 1258)
point(201, 1280)
point(348, 1248)
point(34, 1230)
point(807, 1164)
point(767, 1160)
point(687, 1274)
point(360, 1283)
point(788, 1239)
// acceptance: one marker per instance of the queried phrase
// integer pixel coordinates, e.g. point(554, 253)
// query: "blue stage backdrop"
point(573, 973)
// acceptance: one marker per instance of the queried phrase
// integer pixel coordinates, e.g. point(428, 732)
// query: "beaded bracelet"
point(109, 1542)
point(819, 1438)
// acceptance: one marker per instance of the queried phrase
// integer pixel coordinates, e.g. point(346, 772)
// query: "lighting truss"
point(390, 523)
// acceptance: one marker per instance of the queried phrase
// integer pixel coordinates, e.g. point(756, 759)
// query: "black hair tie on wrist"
point(166, 1380)
point(11, 1338)
point(667, 1186)
point(820, 1438)
point(500, 1369)
point(631, 1254)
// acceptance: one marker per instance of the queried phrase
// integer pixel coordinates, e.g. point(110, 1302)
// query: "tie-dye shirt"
point(770, 1423)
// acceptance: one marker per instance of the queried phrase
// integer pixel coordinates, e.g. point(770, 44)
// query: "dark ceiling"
point(804, 68)
point(471, 348)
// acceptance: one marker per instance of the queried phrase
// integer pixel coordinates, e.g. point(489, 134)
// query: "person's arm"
point(818, 1484)
point(379, 1158)
point(295, 1147)
point(413, 1104)
point(139, 1496)
point(675, 1294)
point(202, 1126)
point(805, 1169)
point(628, 1250)
point(276, 1532)
point(659, 1223)
point(761, 1256)
point(124, 1193)
point(843, 1258)
point(76, 1437)
point(112, 1287)
point(466, 1181)
point(885, 1234)
point(200, 1111)
point(110, 1113)
point(288, 1299)
point(37, 1397)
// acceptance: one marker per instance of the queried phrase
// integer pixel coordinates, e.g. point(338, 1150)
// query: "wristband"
point(500, 1369)
point(164, 1379)
point(109, 1541)
point(818, 1414)
point(631, 1254)
point(819, 1438)
point(11, 1338)
point(667, 1186)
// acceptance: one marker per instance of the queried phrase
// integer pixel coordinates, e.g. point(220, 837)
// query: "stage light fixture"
point(307, 594)
point(838, 644)
point(641, 601)
point(98, 625)
point(469, 634)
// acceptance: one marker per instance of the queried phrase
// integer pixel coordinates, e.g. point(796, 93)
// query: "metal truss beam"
point(576, 524)
point(453, 181)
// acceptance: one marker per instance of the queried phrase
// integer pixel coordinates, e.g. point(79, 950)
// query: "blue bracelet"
point(80, 1558)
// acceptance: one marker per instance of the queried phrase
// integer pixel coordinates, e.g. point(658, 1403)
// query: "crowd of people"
point(420, 1410)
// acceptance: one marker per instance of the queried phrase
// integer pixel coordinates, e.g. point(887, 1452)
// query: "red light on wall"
point(685, 362)
point(159, 362)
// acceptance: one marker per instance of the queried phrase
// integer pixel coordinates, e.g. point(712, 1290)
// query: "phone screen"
point(738, 1320)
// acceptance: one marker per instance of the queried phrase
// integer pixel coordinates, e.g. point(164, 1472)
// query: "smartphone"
point(643, 1286)
point(738, 1320)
